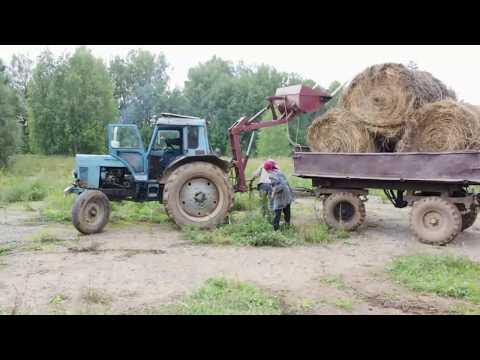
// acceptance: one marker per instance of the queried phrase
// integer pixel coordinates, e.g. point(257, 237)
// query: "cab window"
point(193, 137)
point(124, 137)
point(168, 139)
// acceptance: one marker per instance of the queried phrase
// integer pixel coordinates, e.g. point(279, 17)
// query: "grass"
point(445, 275)
point(95, 296)
point(250, 228)
point(58, 299)
point(345, 304)
point(335, 281)
point(253, 230)
point(34, 177)
point(6, 249)
point(225, 297)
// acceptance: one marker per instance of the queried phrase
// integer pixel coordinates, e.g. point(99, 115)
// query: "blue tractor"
point(177, 169)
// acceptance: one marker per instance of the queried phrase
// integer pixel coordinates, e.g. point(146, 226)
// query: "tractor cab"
point(174, 136)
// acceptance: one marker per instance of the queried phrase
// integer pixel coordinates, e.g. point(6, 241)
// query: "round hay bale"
point(339, 130)
point(442, 126)
point(385, 95)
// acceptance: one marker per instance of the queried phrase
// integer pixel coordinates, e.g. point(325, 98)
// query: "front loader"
point(178, 168)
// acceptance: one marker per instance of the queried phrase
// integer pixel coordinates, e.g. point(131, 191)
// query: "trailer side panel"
point(453, 167)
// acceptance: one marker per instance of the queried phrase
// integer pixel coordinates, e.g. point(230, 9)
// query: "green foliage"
point(345, 304)
point(34, 177)
point(456, 277)
point(8, 123)
point(71, 102)
point(252, 230)
point(273, 141)
point(222, 92)
point(316, 234)
point(140, 87)
point(131, 212)
point(224, 297)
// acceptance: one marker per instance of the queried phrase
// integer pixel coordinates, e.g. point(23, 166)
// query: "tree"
point(71, 102)
point(223, 92)
point(273, 141)
point(20, 74)
point(8, 124)
point(140, 81)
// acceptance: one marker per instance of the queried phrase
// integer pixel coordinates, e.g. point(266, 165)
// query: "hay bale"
point(339, 130)
point(442, 126)
point(385, 95)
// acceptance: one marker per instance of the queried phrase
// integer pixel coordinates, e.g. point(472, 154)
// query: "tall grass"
point(34, 177)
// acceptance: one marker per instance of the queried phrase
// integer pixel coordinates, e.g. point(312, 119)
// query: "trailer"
point(438, 186)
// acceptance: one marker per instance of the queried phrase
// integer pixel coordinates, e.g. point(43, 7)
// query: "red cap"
point(270, 165)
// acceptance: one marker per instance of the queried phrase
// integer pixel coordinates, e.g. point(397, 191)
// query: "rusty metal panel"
point(301, 98)
point(435, 167)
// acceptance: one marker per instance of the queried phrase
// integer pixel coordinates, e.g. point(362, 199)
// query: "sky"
point(455, 65)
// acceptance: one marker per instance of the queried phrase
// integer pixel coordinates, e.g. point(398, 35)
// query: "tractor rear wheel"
point(91, 212)
point(198, 194)
point(435, 221)
point(344, 210)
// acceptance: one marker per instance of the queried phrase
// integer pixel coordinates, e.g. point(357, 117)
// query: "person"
point(281, 194)
point(264, 186)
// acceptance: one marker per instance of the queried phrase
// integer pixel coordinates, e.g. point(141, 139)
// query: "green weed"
point(345, 304)
point(254, 230)
point(224, 297)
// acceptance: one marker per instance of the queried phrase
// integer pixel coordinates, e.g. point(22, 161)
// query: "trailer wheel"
point(435, 221)
point(344, 210)
point(90, 212)
point(469, 218)
point(198, 194)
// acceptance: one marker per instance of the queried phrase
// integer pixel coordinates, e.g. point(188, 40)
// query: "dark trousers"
point(278, 213)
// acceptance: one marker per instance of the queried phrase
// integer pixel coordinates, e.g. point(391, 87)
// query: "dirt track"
point(140, 267)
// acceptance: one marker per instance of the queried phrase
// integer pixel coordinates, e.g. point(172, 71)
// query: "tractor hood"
point(87, 167)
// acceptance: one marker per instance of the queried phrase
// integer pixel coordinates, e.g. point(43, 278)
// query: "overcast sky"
point(457, 66)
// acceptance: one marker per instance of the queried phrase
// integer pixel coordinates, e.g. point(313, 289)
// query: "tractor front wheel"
point(91, 212)
point(198, 194)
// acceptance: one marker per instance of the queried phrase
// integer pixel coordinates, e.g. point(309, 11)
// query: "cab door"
point(125, 143)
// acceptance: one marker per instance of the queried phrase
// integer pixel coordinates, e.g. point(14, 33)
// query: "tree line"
point(62, 104)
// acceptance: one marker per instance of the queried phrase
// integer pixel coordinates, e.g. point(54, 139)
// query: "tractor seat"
point(173, 142)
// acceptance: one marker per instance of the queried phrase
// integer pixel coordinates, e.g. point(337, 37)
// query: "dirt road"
point(135, 269)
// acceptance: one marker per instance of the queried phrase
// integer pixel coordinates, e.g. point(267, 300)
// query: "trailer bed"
point(449, 167)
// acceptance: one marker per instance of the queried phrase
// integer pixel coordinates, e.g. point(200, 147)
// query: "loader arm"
point(290, 102)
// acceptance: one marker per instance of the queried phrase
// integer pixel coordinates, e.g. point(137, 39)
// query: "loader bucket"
point(299, 98)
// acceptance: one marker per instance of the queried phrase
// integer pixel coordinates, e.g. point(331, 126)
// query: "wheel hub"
point(199, 197)
point(92, 211)
point(432, 220)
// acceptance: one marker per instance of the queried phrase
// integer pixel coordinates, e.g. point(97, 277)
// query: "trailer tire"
point(198, 194)
point(344, 210)
point(469, 218)
point(435, 221)
point(91, 212)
